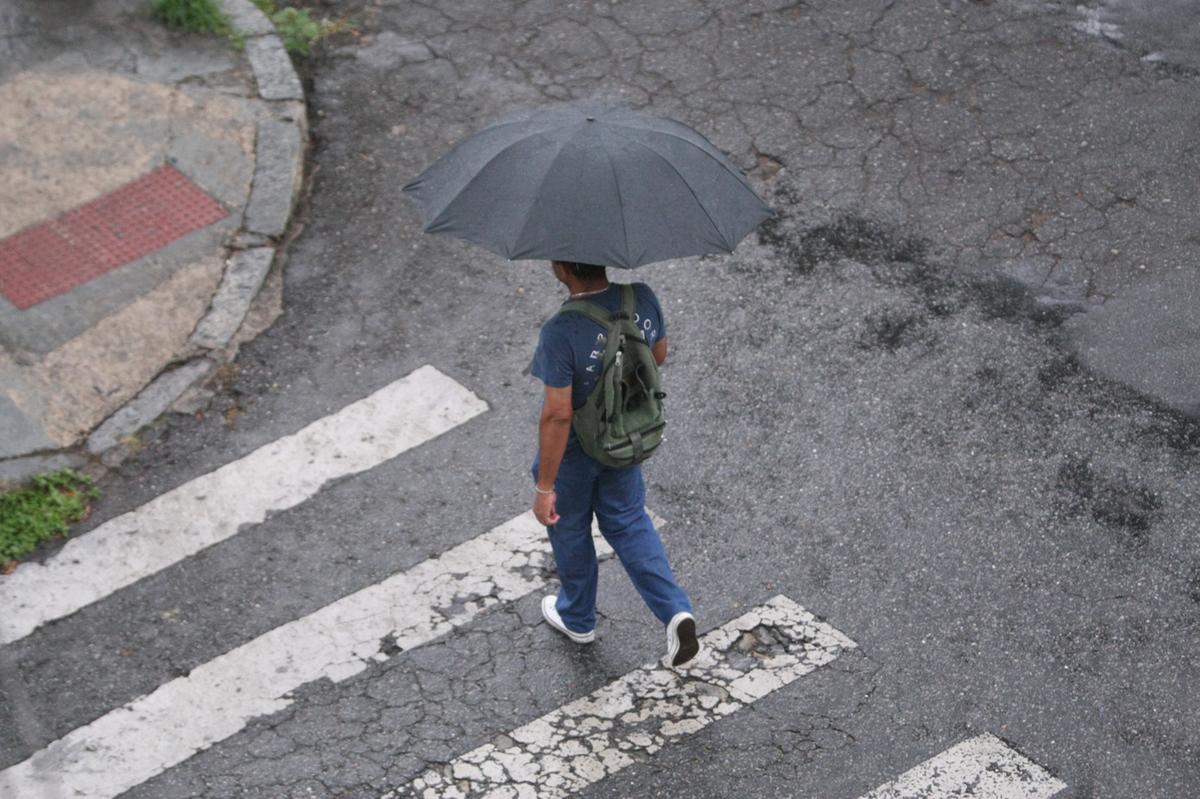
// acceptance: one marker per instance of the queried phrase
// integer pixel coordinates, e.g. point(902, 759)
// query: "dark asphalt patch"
point(932, 293)
point(851, 237)
point(1058, 370)
point(1180, 433)
point(1119, 504)
point(891, 329)
point(899, 260)
point(1194, 583)
point(859, 239)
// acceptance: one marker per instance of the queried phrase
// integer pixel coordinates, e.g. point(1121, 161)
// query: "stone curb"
point(278, 177)
point(150, 403)
point(243, 278)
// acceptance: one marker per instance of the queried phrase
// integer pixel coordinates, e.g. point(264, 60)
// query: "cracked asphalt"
point(879, 406)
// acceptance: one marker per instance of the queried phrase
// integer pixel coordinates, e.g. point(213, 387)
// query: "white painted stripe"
point(144, 738)
point(983, 767)
point(213, 507)
point(632, 718)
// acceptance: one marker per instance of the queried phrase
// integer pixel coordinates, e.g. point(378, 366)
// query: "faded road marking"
point(211, 508)
point(983, 767)
point(149, 735)
point(632, 718)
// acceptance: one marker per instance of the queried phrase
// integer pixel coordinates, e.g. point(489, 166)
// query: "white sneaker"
point(682, 644)
point(554, 620)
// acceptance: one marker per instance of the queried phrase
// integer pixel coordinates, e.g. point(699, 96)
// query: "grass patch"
point(296, 27)
point(199, 16)
point(42, 510)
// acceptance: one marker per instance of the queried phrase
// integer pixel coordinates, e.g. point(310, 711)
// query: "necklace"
point(590, 293)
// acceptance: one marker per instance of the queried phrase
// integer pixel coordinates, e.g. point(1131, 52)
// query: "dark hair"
point(586, 272)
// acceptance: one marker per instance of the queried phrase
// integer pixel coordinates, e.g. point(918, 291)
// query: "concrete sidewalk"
point(147, 177)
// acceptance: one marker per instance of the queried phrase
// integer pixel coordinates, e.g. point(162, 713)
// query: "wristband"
point(540, 491)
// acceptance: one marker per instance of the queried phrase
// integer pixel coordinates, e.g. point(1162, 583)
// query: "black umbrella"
point(590, 184)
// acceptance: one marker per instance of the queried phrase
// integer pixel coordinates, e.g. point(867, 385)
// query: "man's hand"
point(543, 508)
point(659, 351)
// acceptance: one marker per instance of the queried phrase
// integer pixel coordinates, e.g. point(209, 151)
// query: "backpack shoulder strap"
point(628, 301)
point(591, 310)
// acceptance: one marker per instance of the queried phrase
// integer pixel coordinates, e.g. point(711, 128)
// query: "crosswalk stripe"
point(983, 767)
point(211, 508)
point(633, 717)
point(130, 745)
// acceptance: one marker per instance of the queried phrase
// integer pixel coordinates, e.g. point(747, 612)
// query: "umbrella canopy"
point(591, 184)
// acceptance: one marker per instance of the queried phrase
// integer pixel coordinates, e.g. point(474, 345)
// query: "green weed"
point(297, 28)
point(201, 16)
point(42, 510)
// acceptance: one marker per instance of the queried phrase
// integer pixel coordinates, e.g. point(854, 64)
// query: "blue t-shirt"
point(570, 349)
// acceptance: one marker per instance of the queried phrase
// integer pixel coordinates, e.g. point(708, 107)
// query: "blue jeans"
point(617, 497)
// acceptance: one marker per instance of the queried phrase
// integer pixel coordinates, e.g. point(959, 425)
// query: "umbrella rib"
point(692, 191)
point(412, 184)
point(740, 177)
point(437, 217)
point(533, 204)
point(621, 205)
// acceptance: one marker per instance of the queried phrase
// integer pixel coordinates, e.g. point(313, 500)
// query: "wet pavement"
point(879, 407)
point(1159, 31)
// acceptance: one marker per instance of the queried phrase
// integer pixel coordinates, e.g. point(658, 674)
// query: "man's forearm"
point(552, 443)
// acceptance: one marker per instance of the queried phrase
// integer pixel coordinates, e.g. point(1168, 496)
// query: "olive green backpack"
point(621, 423)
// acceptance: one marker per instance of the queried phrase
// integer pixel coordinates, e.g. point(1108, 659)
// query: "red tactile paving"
point(145, 215)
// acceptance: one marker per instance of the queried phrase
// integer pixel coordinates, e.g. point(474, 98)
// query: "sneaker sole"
point(688, 644)
point(579, 638)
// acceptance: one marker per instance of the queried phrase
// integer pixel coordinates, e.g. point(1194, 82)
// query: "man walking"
point(570, 486)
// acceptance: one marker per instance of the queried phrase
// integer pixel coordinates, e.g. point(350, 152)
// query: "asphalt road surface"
point(878, 412)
